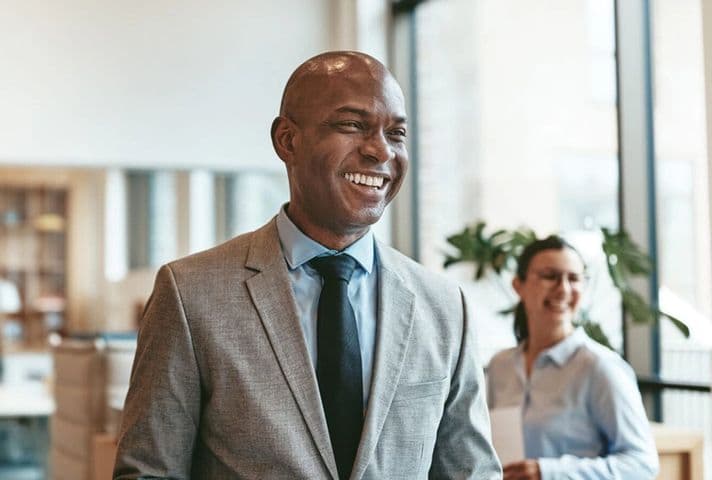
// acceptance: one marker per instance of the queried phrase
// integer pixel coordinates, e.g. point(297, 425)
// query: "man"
point(256, 361)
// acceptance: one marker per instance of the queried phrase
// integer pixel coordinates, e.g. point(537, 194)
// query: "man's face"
point(349, 153)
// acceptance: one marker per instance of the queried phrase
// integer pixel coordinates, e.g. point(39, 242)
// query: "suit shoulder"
point(234, 249)
point(415, 275)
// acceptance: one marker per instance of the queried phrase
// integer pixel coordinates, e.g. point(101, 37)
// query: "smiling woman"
point(549, 281)
point(581, 409)
point(519, 128)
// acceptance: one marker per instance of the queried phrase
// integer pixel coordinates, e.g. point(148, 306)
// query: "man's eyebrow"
point(365, 113)
point(357, 111)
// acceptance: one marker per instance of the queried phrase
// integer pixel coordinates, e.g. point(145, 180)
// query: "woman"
point(582, 415)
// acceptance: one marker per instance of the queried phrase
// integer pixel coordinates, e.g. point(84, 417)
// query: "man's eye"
point(399, 132)
point(349, 124)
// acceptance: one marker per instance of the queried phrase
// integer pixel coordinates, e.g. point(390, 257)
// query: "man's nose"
point(377, 148)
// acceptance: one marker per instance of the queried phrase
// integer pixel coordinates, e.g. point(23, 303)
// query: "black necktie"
point(338, 366)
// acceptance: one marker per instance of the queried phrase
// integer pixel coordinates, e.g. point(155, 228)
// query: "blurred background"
point(132, 133)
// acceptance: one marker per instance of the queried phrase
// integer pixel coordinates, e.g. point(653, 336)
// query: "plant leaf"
point(684, 329)
point(594, 331)
point(624, 260)
point(508, 311)
point(638, 308)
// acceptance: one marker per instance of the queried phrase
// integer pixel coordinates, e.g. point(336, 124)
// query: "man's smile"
point(374, 181)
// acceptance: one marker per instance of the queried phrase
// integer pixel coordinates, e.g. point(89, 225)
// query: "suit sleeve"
point(616, 405)
point(162, 409)
point(463, 449)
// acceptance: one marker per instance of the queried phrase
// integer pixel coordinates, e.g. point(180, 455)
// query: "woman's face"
point(552, 288)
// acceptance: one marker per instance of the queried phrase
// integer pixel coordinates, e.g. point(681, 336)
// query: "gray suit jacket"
point(222, 386)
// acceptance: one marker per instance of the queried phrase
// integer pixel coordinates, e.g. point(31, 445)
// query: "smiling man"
point(307, 349)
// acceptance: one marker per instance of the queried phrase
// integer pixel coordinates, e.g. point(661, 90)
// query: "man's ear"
point(282, 134)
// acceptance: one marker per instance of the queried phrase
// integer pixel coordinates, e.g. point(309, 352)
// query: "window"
point(515, 136)
point(515, 110)
point(682, 198)
point(152, 218)
point(244, 201)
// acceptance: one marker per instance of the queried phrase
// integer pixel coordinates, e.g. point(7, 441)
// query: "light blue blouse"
point(582, 414)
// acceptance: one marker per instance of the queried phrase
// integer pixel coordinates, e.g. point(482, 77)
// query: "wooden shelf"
point(33, 256)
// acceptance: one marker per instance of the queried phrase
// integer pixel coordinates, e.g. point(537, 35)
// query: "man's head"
point(341, 134)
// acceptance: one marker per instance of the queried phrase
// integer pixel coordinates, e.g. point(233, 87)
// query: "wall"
point(160, 84)
point(171, 83)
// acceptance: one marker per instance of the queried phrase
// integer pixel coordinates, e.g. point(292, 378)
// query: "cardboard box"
point(73, 438)
point(104, 456)
point(64, 466)
point(79, 404)
point(79, 363)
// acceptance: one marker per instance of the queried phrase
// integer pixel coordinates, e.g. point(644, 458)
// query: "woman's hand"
point(524, 470)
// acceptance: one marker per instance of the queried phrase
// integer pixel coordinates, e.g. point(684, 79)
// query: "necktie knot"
point(334, 267)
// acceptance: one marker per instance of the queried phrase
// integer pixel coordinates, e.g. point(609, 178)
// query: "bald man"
point(307, 349)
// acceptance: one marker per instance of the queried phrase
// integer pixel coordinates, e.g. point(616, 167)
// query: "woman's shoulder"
point(605, 363)
point(503, 358)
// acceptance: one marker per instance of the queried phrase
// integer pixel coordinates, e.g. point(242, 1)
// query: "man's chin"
point(367, 217)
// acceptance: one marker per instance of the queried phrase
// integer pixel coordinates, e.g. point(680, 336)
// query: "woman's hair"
point(552, 242)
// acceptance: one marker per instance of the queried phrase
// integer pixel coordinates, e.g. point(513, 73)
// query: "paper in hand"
point(507, 433)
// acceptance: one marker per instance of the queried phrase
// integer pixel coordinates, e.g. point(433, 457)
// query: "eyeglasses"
point(554, 277)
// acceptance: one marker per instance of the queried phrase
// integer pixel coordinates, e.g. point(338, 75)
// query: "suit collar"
point(264, 250)
point(272, 295)
point(395, 322)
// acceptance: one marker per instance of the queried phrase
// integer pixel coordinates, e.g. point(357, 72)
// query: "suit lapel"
point(395, 322)
point(272, 294)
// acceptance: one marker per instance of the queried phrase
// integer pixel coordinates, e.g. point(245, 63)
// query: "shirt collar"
point(562, 351)
point(298, 248)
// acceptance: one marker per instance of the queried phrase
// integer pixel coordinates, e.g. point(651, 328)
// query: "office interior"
point(133, 133)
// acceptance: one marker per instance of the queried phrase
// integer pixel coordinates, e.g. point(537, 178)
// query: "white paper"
point(507, 433)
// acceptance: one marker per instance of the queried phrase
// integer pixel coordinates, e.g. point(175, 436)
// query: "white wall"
point(159, 83)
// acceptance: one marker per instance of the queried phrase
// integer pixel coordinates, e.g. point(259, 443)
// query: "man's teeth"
point(361, 179)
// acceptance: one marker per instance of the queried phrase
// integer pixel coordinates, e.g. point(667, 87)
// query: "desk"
point(24, 437)
point(25, 399)
point(680, 451)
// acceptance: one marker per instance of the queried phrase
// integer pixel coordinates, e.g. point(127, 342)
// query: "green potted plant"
point(497, 252)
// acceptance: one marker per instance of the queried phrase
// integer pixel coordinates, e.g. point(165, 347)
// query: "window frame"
point(636, 163)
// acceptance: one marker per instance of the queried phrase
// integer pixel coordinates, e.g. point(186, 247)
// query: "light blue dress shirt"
point(582, 414)
point(306, 283)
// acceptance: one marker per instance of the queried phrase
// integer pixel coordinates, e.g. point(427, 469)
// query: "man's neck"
point(327, 236)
